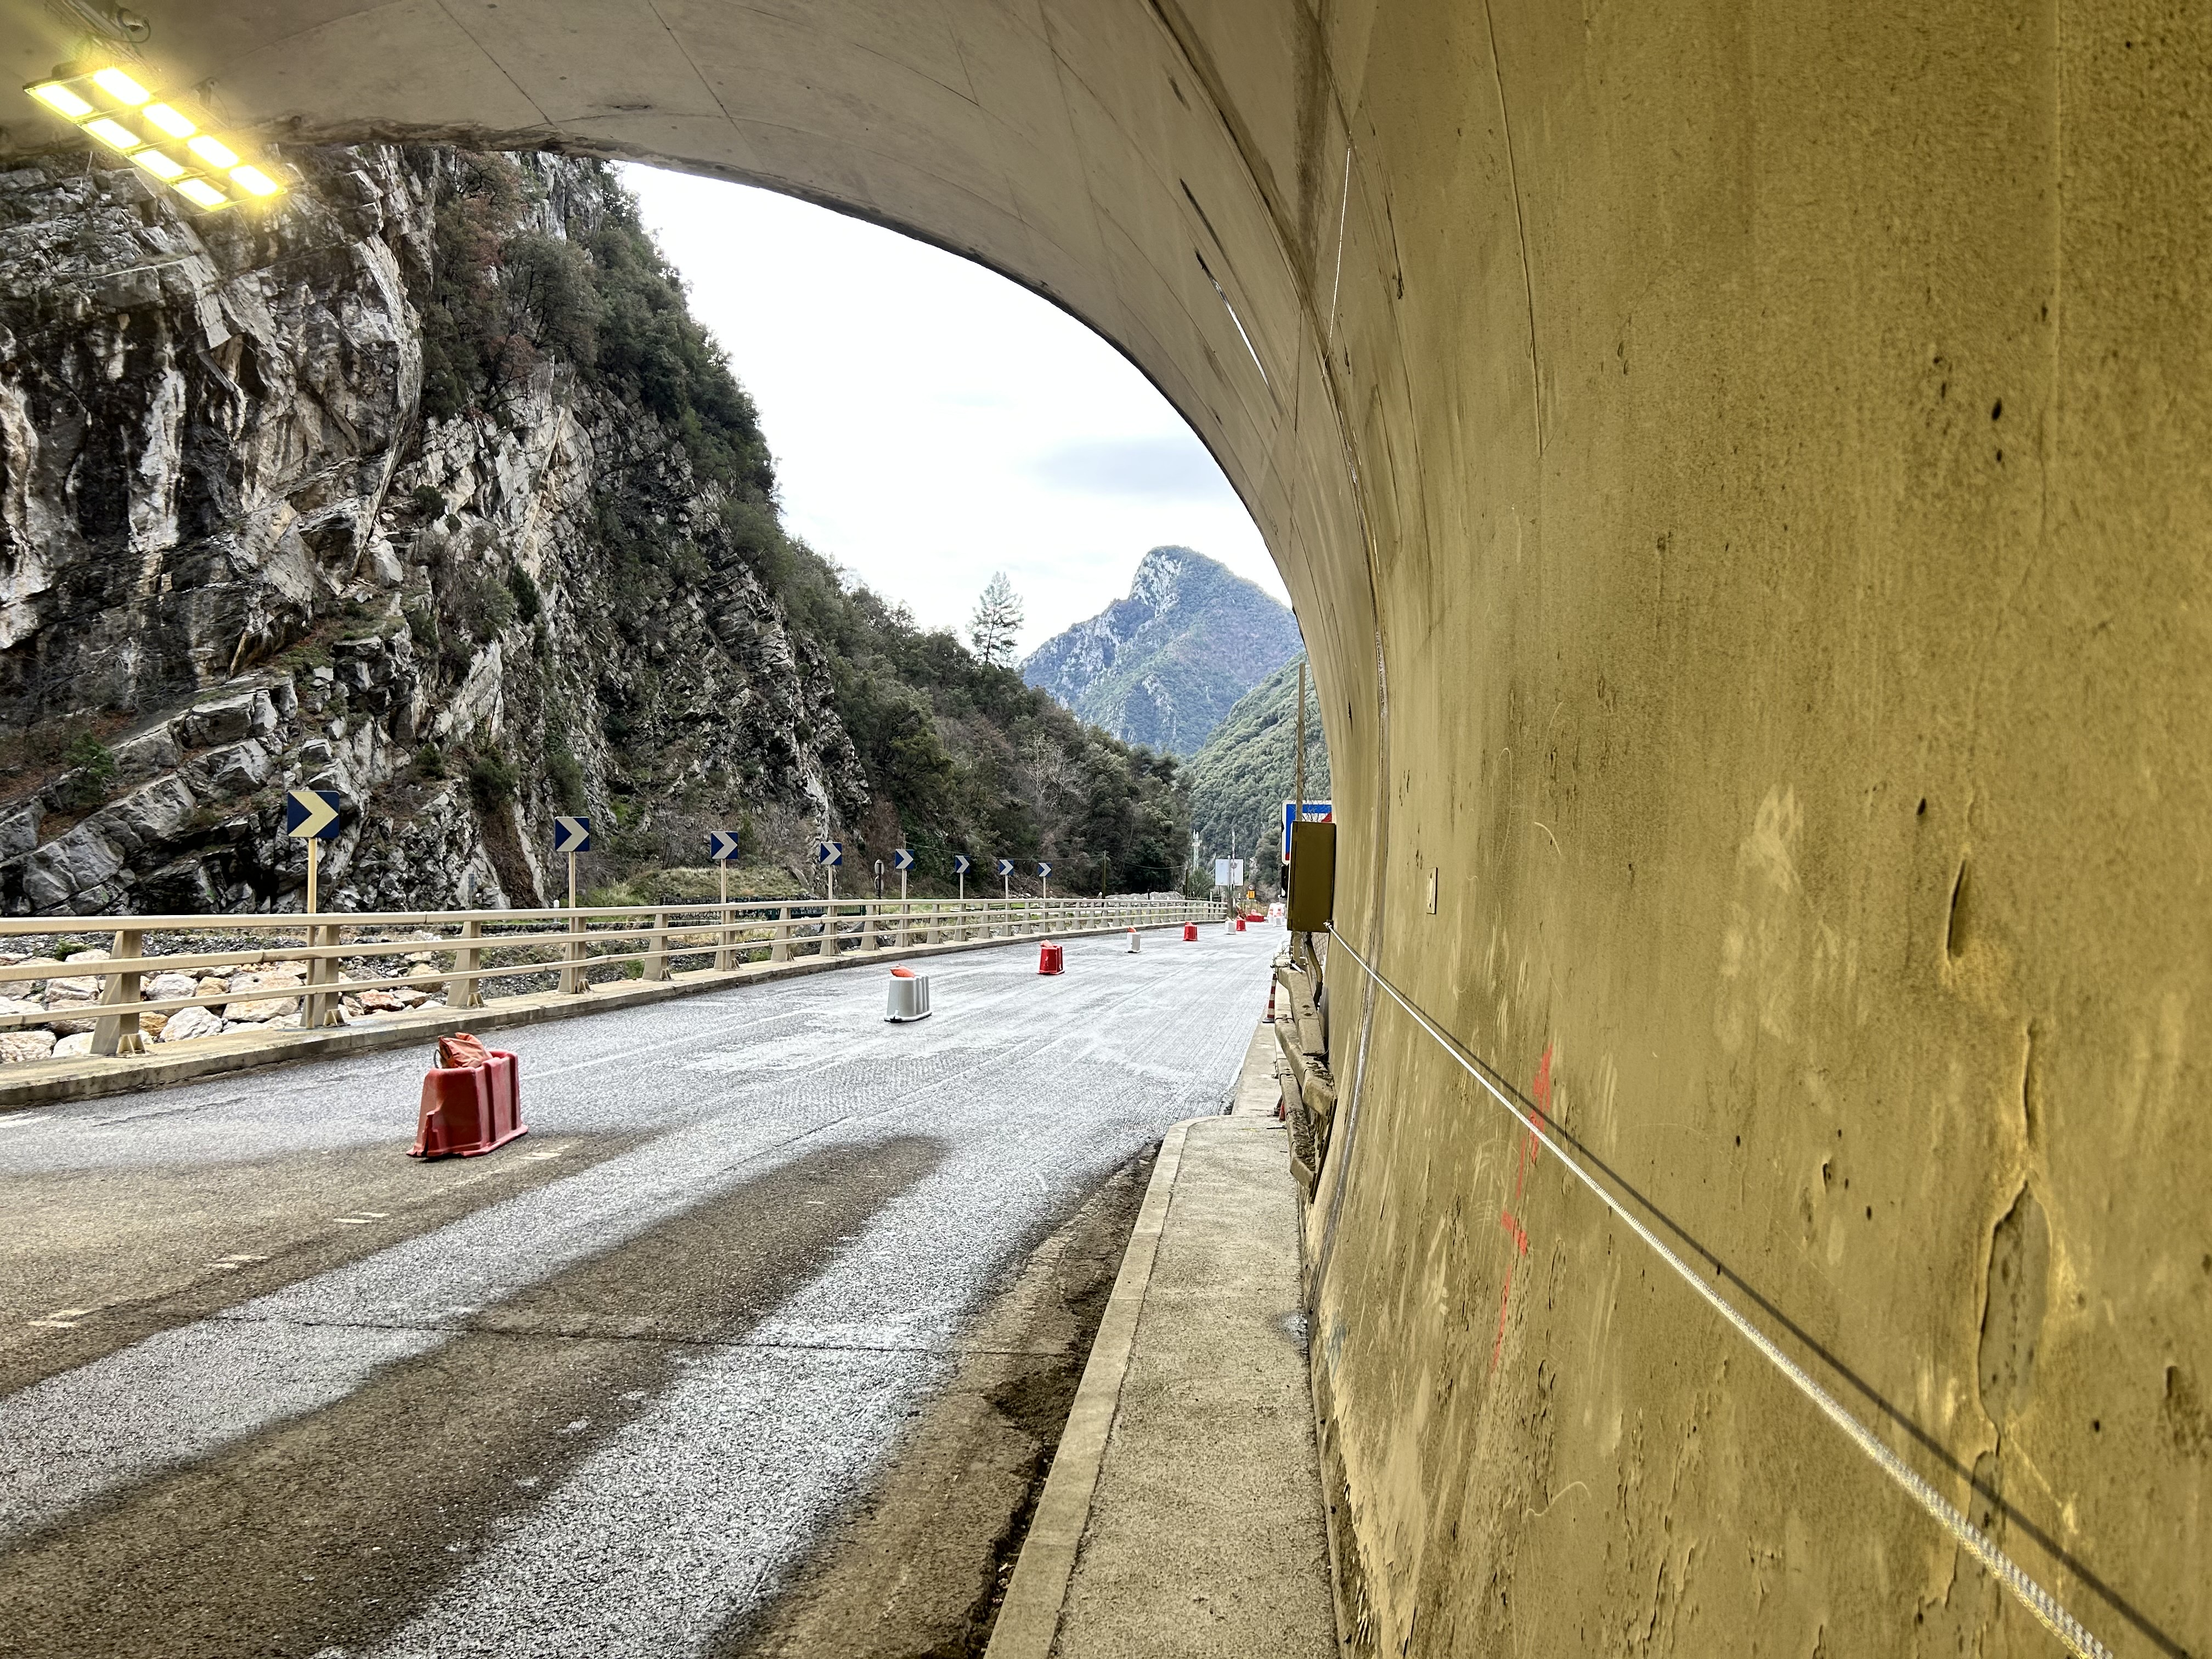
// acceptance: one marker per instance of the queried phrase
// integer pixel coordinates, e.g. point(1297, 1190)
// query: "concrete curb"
point(43, 1083)
point(1028, 1619)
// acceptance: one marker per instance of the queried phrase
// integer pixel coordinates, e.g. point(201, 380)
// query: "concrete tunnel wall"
point(1742, 475)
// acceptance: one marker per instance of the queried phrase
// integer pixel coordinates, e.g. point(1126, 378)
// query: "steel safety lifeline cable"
point(2032, 1596)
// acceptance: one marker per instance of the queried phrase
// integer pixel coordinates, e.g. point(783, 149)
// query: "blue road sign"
point(721, 845)
point(1316, 811)
point(1006, 866)
point(829, 852)
point(313, 814)
point(961, 863)
point(1043, 870)
point(572, 834)
point(902, 859)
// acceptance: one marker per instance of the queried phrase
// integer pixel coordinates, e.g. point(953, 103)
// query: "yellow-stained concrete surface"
point(1741, 474)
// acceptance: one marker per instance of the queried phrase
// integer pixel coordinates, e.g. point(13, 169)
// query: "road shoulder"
point(1183, 1514)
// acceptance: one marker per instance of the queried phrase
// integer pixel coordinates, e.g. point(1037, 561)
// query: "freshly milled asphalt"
point(279, 1390)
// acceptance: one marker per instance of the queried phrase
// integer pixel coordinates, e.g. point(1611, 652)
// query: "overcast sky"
point(932, 422)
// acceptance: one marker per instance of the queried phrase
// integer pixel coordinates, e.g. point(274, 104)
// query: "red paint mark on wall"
point(1531, 1149)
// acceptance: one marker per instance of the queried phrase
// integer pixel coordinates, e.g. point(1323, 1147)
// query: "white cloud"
point(932, 422)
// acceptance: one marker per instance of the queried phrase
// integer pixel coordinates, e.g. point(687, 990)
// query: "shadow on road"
point(334, 1529)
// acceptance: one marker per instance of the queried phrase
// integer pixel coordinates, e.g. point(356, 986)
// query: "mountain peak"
point(1161, 667)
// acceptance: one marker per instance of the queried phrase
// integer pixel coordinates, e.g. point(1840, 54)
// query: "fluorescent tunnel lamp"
point(112, 132)
point(161, 135)
point(171, 120)
point(59, 99)
point(120, 87)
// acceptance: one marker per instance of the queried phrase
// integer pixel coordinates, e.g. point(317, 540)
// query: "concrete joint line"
point(1028, 1619)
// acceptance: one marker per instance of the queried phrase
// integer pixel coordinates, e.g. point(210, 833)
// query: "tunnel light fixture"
point(163, 136)
point(112, 133)
point(120, 87)
point(60, 100)
point(171, 120)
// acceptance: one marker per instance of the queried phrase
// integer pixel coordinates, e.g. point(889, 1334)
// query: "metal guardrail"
point(574, 944)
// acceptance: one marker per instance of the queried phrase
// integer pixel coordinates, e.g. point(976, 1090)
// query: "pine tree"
point(997, 620)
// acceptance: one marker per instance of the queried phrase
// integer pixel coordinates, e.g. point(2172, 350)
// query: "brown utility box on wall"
point(1312, 876)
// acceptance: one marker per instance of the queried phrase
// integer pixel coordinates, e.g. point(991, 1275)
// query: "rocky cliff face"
point(1164, 665)
point(242, 550)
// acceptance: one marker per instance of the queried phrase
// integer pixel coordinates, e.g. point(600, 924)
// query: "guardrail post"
point(117, 1033)
point(656, 964)
point(868, 940)
point(828, 930)
point(466, 960)
point(724, 955)
point(573, 981)
point(780, 950)
point(320, 1005)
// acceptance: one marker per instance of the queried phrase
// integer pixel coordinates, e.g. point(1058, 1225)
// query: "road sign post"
point(573, 835)
point(829, 854)
point(311, 815)
point(1044, 879)
point(1006, 879)
point(722, 847)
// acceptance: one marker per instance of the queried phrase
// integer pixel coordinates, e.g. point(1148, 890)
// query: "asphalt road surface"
point(267, 1386)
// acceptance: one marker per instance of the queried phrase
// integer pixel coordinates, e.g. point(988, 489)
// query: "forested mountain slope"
point(1240, 779)
point(428, 490)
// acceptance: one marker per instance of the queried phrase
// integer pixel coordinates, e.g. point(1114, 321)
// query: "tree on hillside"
point(997, 618)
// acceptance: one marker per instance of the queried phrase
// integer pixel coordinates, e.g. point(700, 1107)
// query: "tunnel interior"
point(1740, 475)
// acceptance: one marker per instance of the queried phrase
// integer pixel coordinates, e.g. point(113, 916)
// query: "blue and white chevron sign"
point(1043, 870)
point(572, 834)
point(961, 863)
point(902, 859)
point(721, 845)
point(1006, 866)
point(313, 814)
point(829, 852)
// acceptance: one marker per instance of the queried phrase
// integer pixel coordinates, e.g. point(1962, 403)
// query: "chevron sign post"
point(722, 847)
point(1044, 876)
point(1006, 878)
point(829, 854)
point(311, 815)
point(903, 861)
point(961, 866)
point(572, 837)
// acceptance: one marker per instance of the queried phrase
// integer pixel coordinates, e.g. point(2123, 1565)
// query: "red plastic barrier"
point(1240, 924)
point(1190, 932)
point(1051, 959)
point(467, 1110)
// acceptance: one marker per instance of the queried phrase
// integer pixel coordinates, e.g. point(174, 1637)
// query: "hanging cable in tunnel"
point(2038, 1602)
